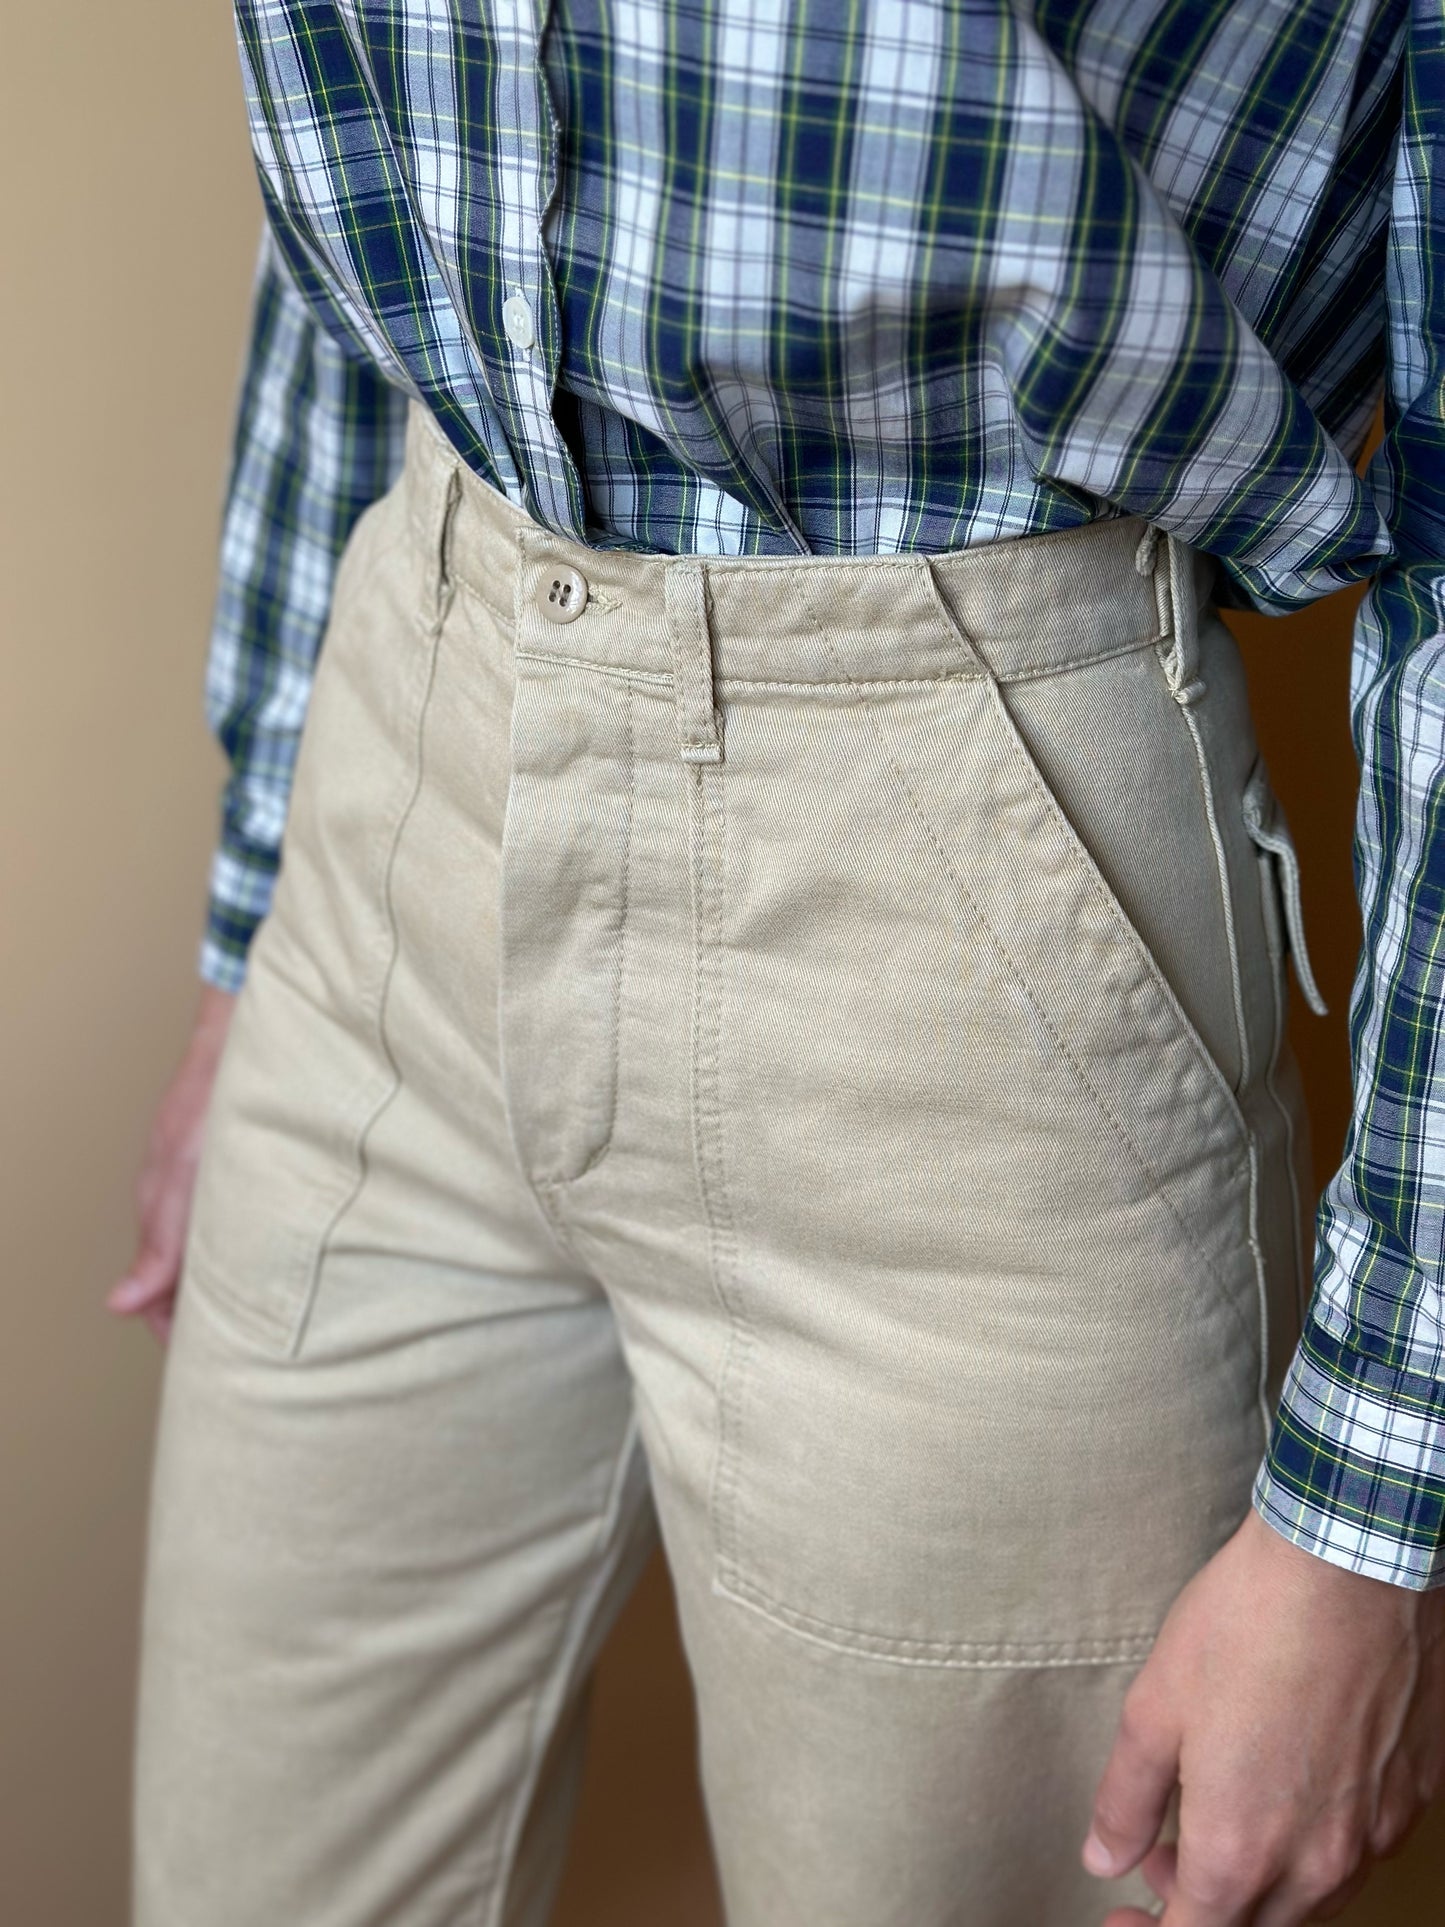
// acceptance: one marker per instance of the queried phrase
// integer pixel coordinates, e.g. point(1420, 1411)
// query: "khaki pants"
point(792, 1046)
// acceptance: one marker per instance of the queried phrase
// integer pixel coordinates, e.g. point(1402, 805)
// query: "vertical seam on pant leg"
point(615, 1041)
point(708, 889)
point(359, 1147)
point(551, 1689)
point(727, 1247)
point(1226, 892)
point(1261, 1287)
point(1236, 984)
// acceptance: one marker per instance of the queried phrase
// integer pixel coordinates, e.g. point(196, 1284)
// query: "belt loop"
point(685, 590)
point(1181, 659)
point(433, 487)
point(446, 495)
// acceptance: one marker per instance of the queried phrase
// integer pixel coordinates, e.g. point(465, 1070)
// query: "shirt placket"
point(528, 323)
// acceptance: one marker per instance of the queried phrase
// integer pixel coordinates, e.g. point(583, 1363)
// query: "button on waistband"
point(562, 594)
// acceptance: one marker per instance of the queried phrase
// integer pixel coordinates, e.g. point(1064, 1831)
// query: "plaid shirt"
point(797, 276)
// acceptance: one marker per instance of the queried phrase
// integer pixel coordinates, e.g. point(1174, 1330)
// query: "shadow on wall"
point(639, 1855)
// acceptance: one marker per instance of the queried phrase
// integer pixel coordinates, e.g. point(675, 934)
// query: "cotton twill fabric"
point(870, 1151)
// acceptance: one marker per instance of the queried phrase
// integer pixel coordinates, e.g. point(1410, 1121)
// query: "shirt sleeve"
point(318, 438)
point(1355, 1467)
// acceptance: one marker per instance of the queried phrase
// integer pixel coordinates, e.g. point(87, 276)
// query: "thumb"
point(150, 1278)
point(1134, 1793)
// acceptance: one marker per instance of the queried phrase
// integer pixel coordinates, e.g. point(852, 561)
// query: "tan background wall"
point(127, 229)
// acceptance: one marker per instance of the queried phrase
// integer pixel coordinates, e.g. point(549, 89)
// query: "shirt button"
point(517, 320)
point(562, 595)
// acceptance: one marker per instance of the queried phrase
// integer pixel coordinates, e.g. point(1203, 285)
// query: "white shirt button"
point(562, 594)
point(517, 320)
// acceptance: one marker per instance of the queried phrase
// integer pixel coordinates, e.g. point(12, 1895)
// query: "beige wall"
point(127, 231)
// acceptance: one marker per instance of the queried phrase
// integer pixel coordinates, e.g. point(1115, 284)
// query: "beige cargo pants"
point(791, 1046)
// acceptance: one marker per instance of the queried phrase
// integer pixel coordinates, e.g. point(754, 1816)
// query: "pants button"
point(562, 595)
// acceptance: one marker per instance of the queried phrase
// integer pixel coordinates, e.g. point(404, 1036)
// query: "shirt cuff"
point(1355, 1468)
point(241, 888)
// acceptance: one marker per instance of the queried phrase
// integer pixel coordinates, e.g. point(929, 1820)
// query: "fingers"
point(1161, 1868)
point(168, 1179)
point(149, 1287)
point(1338, 1902)
point(1319, 1887)
point(1398, 1809)
point(148, 1290)
point(1180, 1912)
point(1134, 1793)
point(1160, 1872)
point(150, 1281)
point(1207, 1885)
point(159, 1322)
point(1183, 1911)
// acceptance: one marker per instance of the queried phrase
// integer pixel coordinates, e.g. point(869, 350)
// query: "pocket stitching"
point(1106, 897)
point(270, 1324)
point(709, 1151)
point(1002, 1654)
point(1110, 906)
point(282, 1327)
point(730, 1578)
point(276, 1319)
point(343, 1197)
point(1120, 1129)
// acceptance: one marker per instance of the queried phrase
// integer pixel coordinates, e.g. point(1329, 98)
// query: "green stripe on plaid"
point(1356, 1463)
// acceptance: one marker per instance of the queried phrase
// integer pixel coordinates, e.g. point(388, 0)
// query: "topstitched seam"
point(961, 1654)
point(712, 1179)
point(1231, 932)
point(596, 1156)
point(1105, 898)
point(800, 685)
point(386, 1097)
point(1041, 672)
point(1275, 944)
point(661, 678)
point(1068, 1055)
point(574, 1624)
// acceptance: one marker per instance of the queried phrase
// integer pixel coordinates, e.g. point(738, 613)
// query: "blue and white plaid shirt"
point(798, 276)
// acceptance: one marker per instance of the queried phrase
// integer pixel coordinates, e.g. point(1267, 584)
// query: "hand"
point(168, 1176)
point(1300, 1709)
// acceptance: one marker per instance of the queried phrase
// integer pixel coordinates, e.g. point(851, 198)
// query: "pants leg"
point(377, 1585)
point(820, 1026)
point(944, 1191)
point(398, 1492)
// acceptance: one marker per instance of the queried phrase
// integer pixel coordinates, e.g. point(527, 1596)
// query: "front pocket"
point(1114, 753)
point(992, 1385)
point(280, 1158)
point(305, 1066)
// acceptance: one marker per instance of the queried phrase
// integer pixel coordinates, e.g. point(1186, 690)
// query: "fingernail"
point(1097, 1857)
point(124, 1296)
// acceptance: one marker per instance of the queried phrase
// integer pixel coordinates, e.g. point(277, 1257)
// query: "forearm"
point(318, 438)
point(1356, 1463)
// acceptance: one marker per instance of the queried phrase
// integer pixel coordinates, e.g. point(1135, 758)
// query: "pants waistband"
point(1013, 609)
